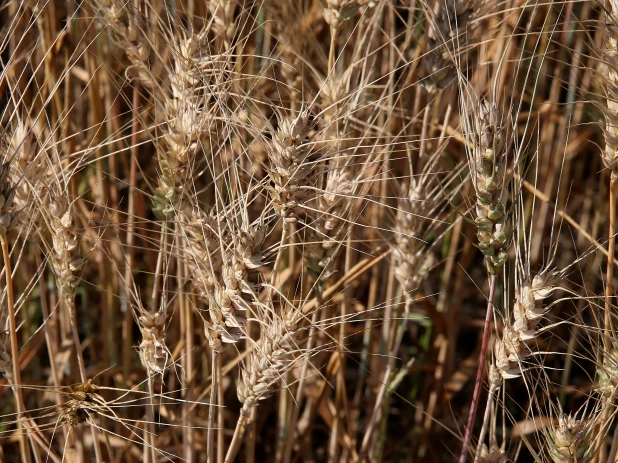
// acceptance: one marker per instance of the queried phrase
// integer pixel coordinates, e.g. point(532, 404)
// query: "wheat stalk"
point(8, 218)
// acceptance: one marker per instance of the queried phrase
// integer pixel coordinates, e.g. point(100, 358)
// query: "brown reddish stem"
point(479, 372)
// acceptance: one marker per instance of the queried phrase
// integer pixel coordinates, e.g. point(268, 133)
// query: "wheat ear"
point(67, 263)
point(268, 361)
point(493, 454)
point(571, 439)
point(609, 156)
point(528, 311)
point(446, 43)
point(488, 166)
point(329, 226)
point(122, 23)
point(511, 350)
point(289, 154)
point(27, 174)
point(610, 153)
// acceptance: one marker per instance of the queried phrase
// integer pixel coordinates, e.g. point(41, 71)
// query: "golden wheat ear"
point(260, 221)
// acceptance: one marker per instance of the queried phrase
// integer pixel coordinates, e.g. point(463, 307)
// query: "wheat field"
point(308, 231)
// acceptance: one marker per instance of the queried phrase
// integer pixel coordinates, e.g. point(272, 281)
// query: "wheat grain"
point(528, 311)
point(339, 11)
point(290, 163)
point(122, 23)
point(330, 226)
point(448, 41)
point(571, 440)
point(65, 255)
point(610, 55)
point(411, 260)
point(493, 454)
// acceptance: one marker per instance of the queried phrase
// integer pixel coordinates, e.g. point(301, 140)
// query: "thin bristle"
point(313, 230)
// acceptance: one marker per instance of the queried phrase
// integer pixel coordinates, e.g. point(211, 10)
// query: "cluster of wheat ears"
point(308, 231)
